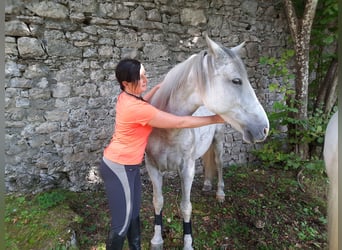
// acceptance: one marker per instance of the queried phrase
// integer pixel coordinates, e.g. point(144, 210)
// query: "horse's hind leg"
point(209, 169)
point(213, 163)
point(158, 202)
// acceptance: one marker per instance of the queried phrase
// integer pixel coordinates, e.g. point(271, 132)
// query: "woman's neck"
point(134, 95)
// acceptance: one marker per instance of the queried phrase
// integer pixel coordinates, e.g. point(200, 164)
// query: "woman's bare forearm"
point(167, 120)
point(198, 121)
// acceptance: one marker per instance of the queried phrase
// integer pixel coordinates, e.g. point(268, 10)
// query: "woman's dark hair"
point(127, 70)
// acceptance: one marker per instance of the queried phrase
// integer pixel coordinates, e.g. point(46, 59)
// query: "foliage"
point(324, 37)
point(278, 149)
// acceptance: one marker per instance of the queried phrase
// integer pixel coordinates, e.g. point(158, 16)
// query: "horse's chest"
point(171, 142)
point(171, 149)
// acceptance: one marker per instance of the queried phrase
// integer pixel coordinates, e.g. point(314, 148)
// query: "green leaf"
point(263, 60)
point(329, 40)
point(273, 87)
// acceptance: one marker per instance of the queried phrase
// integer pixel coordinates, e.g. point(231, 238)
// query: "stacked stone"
point(60, 86)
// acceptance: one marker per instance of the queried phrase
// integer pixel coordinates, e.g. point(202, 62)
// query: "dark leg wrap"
point(158, 219)
point(187, 227)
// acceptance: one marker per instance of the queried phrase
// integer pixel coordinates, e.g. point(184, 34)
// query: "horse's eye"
point(237, 81)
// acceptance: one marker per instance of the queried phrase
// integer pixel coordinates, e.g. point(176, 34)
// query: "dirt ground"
point(263, 209)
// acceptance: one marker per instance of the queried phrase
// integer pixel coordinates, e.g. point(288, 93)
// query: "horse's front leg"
point(158, 202)
point(187, 176)
point(218, 161)
point(220, 195)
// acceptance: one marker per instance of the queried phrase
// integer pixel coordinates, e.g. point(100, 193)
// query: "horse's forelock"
point(203, 74)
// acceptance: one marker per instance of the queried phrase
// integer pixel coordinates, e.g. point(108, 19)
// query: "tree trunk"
point(300, 32)
point(331, 97)
point(327, 92)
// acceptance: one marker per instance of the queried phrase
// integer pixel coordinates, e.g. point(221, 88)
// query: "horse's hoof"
point(207, 188)
point(157, 238)
point(157, 242)
point(188, 248)
point(156, 247)
point(188, 242)
point(220, 198)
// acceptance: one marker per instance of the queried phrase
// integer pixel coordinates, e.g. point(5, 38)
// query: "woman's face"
point(141, 86)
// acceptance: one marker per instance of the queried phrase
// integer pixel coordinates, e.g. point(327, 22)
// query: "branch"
point(292, 19)
point(308, 17)
point(331, 97)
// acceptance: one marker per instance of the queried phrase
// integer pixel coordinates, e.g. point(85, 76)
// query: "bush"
point(279, 149)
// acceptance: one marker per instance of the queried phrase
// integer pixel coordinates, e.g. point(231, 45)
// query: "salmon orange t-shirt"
point(129, 140)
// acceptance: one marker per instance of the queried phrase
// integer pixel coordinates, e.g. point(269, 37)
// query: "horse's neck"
point(184, 101)
point(179, 94)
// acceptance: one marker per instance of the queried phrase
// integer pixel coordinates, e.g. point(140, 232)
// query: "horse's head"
point(228, 92)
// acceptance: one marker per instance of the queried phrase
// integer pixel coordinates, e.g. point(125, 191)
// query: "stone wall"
point(60, 86)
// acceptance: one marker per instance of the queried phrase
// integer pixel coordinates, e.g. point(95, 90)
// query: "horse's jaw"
point(253, 131)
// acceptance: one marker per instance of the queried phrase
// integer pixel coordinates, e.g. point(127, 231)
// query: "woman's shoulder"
point(132, 104)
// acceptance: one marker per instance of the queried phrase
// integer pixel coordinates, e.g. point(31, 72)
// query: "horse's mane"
point(177, 77)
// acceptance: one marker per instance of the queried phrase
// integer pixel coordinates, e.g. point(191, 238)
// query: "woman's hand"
point(218, 119)
point(149, 95)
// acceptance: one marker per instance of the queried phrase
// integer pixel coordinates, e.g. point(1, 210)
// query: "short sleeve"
point(140, 112)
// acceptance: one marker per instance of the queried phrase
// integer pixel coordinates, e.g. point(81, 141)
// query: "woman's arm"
point(148, 95)
point(167, 120)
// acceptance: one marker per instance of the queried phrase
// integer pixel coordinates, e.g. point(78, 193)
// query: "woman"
point(122, 158)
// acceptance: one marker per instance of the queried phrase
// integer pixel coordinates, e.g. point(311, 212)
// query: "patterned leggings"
point(123, 190)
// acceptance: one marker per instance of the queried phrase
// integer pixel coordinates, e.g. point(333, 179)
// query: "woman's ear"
point(125, 84)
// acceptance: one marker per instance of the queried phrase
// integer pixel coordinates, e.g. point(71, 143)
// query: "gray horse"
point(212, 81)
point(330, 153)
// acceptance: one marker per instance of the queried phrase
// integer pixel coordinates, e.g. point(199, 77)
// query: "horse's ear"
point(238, 49)
point(213, 48)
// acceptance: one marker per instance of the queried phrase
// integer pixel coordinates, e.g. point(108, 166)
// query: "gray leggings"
point(123, 190)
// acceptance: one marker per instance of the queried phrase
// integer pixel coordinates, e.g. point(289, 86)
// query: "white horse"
point(217, 80)
point(330, 153)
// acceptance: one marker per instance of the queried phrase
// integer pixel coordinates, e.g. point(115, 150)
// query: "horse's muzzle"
point(255, 134)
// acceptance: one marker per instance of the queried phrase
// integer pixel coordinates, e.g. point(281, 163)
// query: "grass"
point(264, 209)
point(31, 220)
